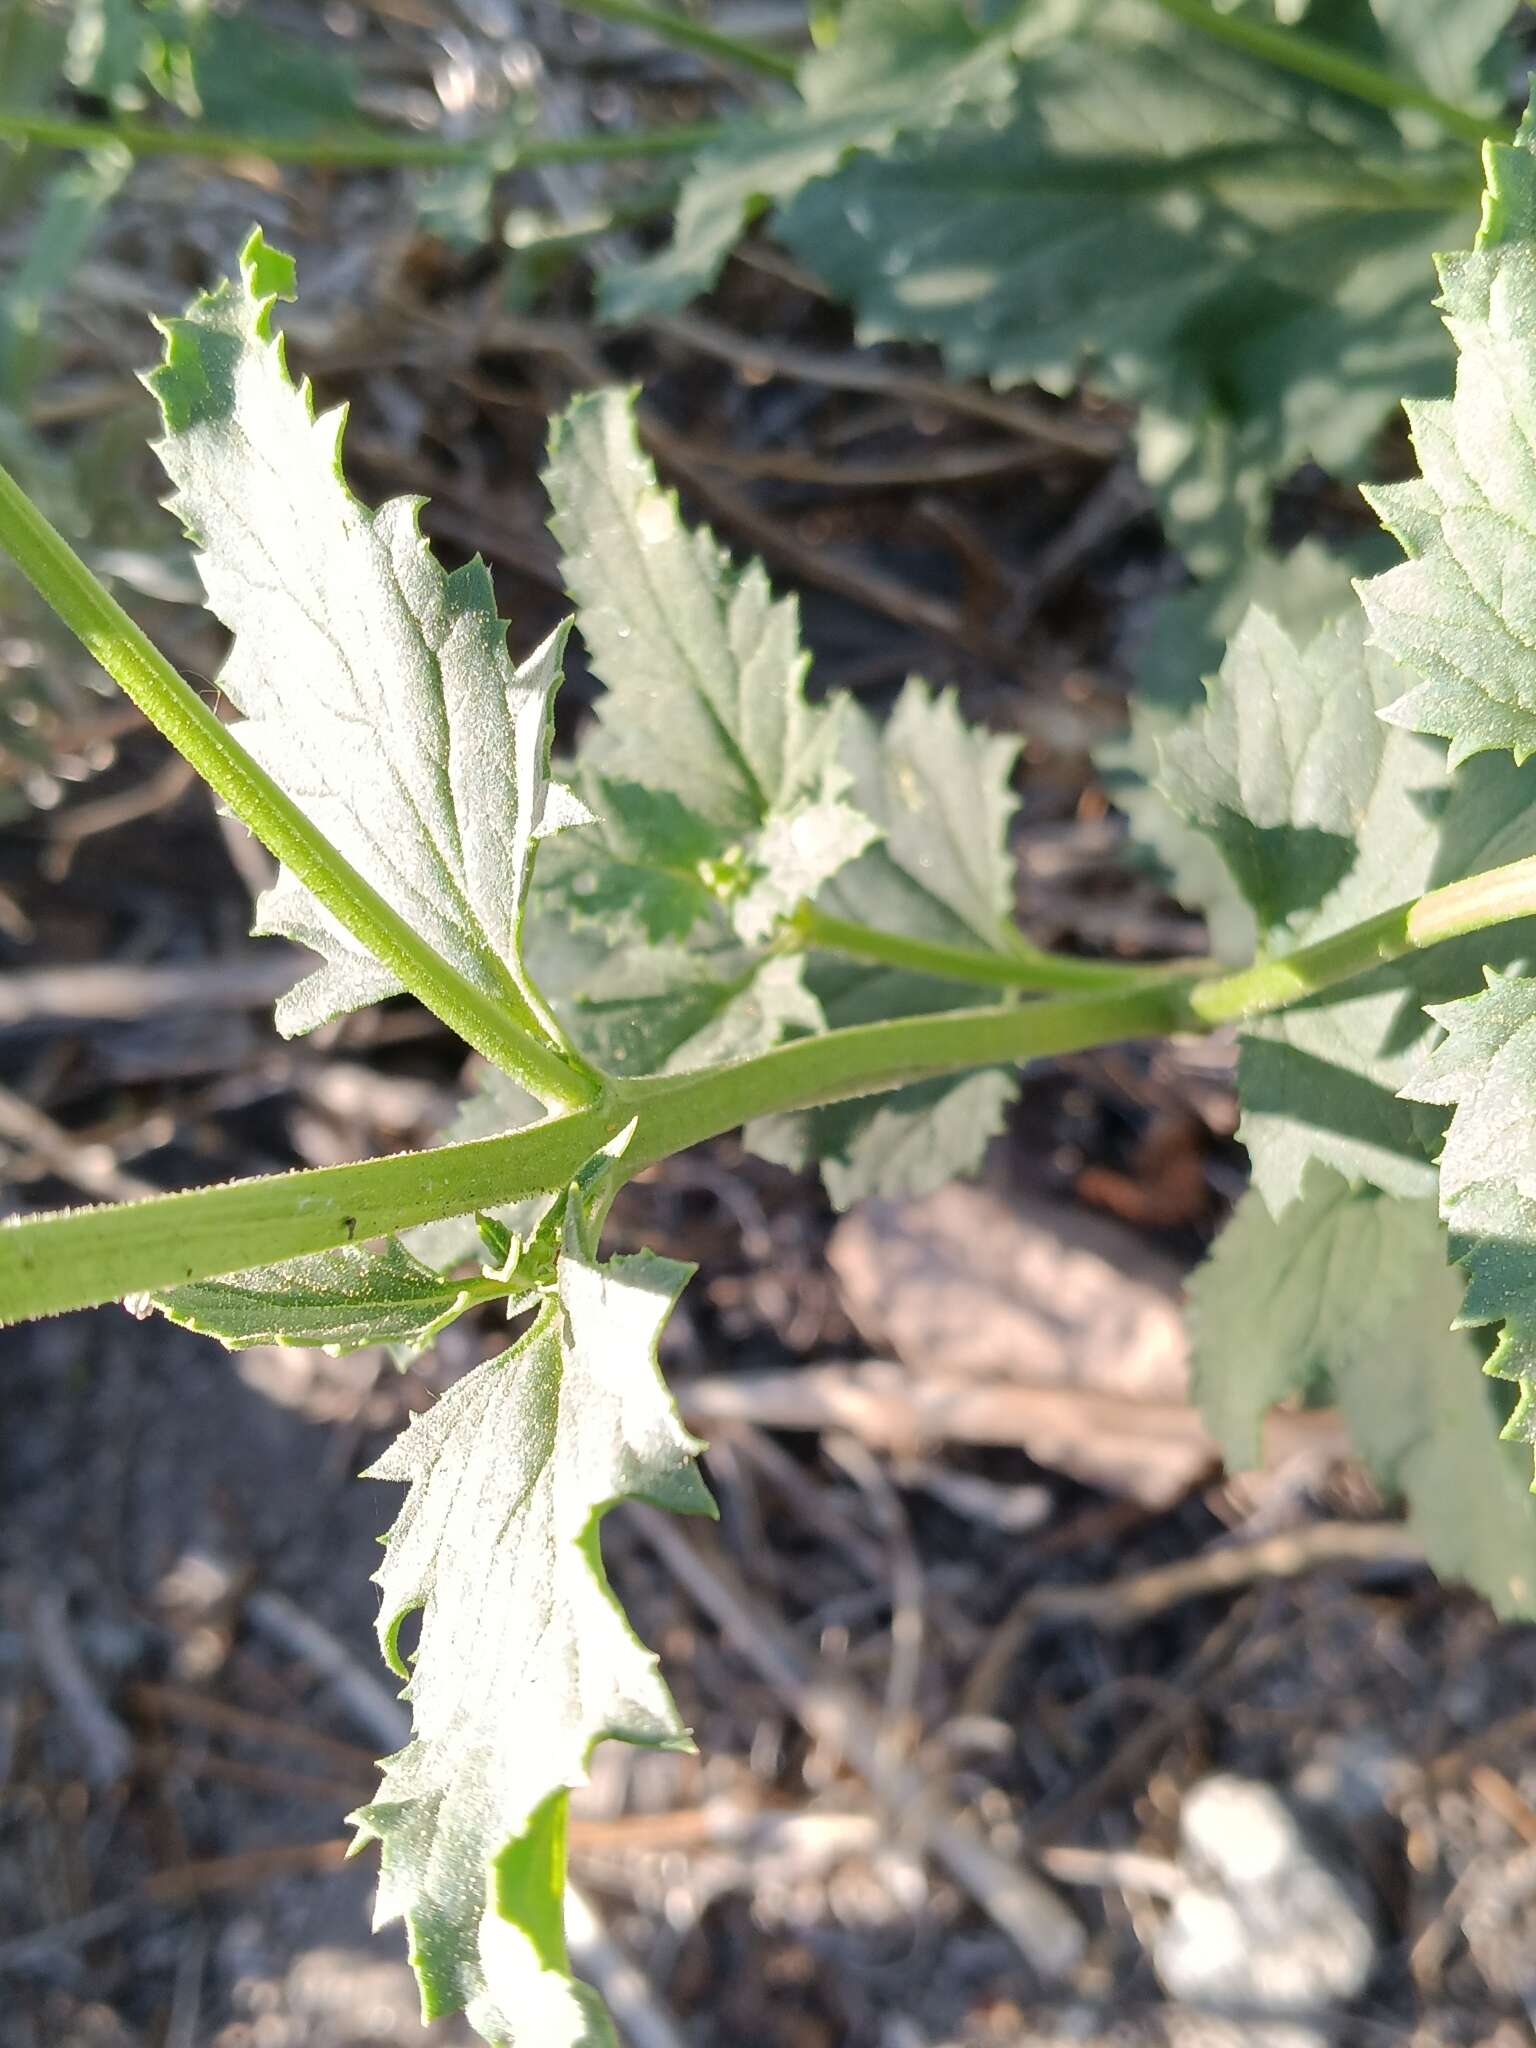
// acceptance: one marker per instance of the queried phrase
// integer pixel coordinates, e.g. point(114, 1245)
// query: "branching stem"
point(504, 1029)
point(76, 1259)
point(86, 1256)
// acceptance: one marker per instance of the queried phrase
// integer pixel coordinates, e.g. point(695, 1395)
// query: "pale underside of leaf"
point(942, 870)
point(1282, 766)
point(1484, 1072)
point(705, 676)
point(375, 689)
point(1184, 645)
point(525, 1660)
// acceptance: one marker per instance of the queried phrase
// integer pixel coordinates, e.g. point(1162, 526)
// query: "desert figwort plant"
point(738, 905)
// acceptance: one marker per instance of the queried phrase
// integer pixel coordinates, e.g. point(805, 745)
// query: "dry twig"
point(1042, 1927)
point(1126, 1603)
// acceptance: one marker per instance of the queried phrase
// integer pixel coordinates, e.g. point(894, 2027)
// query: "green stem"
point(1291, 50)
point(361, 150)
point(1023, 967)
point(685, 34)
point(1453, 912)
point(81, 1258)
point(505, 1029)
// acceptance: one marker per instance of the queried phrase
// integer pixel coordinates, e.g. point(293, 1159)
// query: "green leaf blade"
point(337, 1301)
point(939, 792)
point(1321, 1080)
point(1349, 1296)
point(1196, 230)
point(525, 1660)
point(1457, 613)
point(889, 68)
point(705, 676)
point(376, 690)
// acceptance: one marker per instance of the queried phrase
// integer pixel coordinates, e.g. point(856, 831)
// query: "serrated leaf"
point(891, 66)
point(1458, 612)
point(705, 676)
point(942, 869)
point(375, 689)
point(338, 1300)
point(925, 1136)
point(1320, 1081)
point(720, 781)
point(1349, 1295)
point(666, 1008)
point(525, 1660)
point(1484, 1072)
point(1183, 646)
point(1184, 223)
point(647, 932)
point(1282, 765)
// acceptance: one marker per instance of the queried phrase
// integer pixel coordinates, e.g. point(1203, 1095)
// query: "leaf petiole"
point(1453, 912)
point(1022, 966)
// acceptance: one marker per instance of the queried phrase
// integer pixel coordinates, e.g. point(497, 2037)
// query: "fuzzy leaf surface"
point(1348, 1296)
point(704, 672)
point(338, 1300)
point(723, 798)
point(1458, 613)
point(375, 689)
point(525, 1660)
point(718, 790)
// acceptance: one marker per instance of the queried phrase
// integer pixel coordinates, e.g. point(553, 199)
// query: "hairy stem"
point(505, 1030)
point(80, 1258)
point(1290, 49)
point(686, 34)
point(1023, 966)
point(361, 149)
